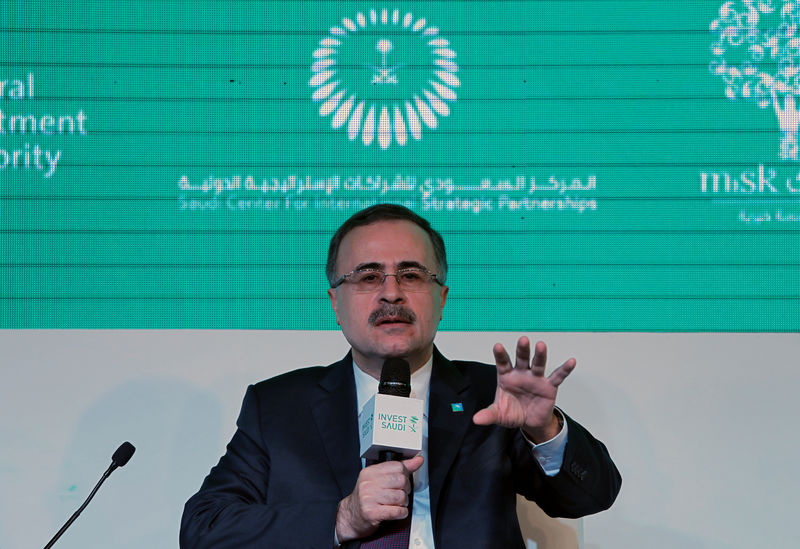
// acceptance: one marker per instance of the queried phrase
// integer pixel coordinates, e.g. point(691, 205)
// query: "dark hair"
point(384, 212)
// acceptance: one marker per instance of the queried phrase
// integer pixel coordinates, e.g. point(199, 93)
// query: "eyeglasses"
point(412, 279)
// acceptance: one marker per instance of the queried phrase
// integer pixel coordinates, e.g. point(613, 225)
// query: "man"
point(292, 476)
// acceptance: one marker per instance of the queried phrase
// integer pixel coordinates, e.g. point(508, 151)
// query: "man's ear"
point(332, 296)
point(443, 293)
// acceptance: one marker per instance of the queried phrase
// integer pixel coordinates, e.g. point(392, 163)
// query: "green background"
point(618, 90)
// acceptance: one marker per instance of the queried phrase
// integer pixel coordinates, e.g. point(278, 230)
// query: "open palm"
point(525, 398)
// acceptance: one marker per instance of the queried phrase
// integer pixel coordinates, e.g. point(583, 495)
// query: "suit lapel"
point(337, 421)
point(446, 427)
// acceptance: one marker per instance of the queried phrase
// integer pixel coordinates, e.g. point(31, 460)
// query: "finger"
point(487, 416)
point(392, 512)
point(398, 498)
point(561, 373)
point(389, 475)
point(539, 359)
point(391, 481)
point(501, 359)
point(386, 468)
point(523, 353)
point(378, 512)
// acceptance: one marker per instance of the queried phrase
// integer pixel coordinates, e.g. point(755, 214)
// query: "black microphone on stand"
point(119, 459)
point(395, 381)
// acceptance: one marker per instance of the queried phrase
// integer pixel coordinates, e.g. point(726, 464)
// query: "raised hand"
point(525, 397)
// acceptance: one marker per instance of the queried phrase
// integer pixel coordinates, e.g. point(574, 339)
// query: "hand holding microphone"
point(390, 429)
point(381, 493)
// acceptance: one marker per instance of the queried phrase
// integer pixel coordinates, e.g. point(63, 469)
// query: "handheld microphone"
point(119, 459)
point(395, 378)
point(390, 424)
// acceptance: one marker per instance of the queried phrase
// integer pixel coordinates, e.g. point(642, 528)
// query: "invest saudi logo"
point(757, 55)
point(384, 76)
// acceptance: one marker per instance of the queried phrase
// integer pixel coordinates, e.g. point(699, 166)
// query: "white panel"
point(701, 425)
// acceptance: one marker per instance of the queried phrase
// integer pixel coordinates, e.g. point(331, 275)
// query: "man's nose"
point(390, 290)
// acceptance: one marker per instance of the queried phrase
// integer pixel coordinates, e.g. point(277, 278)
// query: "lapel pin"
point(457, 407)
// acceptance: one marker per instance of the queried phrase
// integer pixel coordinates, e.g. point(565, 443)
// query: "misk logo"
point(757, 55)
point(384, 76)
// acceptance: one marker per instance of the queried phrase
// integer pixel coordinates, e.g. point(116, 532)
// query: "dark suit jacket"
point(295, 455)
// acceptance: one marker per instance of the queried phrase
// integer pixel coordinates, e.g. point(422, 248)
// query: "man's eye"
point(412, 276)
point(368, 277)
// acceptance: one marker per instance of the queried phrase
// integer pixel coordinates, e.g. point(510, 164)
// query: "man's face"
point(389, 322)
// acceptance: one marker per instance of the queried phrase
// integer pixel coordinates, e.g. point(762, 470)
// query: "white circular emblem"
point(384, 76)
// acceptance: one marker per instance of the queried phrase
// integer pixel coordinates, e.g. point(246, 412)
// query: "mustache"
point(391, 311)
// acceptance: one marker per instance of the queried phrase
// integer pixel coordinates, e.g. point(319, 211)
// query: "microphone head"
point(395, 378)
point(123, 454)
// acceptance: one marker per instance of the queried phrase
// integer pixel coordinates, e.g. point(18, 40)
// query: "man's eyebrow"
point(408, 264)
point(411, 265)
point(369, 266)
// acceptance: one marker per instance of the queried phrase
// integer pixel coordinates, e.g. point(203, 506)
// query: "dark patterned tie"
point(391, 534)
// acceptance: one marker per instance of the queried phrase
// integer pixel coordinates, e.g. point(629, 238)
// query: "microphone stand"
point(82, 507)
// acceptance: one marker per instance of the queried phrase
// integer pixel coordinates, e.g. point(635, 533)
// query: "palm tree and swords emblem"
point(410, 81)
point(384, 74)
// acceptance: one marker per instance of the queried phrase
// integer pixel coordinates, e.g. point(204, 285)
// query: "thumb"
point(414, 463)
point(487, 416)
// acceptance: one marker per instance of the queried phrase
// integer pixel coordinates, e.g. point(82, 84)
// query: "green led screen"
point(592, 165)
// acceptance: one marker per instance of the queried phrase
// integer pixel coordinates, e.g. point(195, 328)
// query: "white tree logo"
point(384, 76)
point(757, 54)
